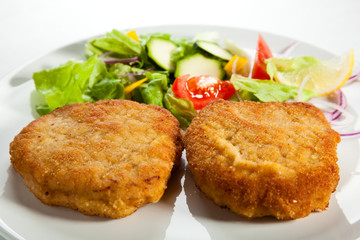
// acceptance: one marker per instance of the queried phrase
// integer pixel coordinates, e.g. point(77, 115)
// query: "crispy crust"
point(106, 158)
point(264, 159)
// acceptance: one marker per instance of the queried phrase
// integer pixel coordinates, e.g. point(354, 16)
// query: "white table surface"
point(32, 28)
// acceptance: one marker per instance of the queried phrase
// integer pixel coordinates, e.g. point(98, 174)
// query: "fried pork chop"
point(264, 159)
point(106, 158)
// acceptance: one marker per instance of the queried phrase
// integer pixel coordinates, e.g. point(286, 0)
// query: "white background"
point(30, 29)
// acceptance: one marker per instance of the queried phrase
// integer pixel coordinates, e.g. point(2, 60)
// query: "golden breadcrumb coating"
point(106, 158)
point(264, 159)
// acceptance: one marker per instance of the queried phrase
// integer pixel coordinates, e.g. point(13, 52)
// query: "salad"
point(183, 75)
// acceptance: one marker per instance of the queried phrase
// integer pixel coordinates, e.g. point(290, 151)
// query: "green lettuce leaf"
point(275, 65)
point(146, 38)
point(42, 109)
point(267, 90)
point(154, 90)
point(117, 42)
point(76, 82)
point(123, 69)
point(185, 47)
point(182, 109)
point(107, 88)
point(121, 45)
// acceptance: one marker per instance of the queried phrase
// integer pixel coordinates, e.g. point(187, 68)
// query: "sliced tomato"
point(263, 52)
point(203, 89)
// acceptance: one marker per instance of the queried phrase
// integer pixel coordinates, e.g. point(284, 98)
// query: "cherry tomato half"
point(262, 53)
point(203, 89)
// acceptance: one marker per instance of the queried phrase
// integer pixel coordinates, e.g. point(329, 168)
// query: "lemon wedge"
point(322, 77)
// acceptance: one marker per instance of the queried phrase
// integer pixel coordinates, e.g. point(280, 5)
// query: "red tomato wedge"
point(262, 53)
point(203, 89)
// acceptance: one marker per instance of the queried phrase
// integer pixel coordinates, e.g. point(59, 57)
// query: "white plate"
point(183, 212)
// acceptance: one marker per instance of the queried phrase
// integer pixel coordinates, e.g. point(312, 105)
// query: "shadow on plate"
point(148, 222)
point(18, 193)
point(203, 207)
point(348, 153)
point(221, 223)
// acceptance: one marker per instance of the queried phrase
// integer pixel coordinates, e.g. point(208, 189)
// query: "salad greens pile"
point(267, 90)
point(117, 62)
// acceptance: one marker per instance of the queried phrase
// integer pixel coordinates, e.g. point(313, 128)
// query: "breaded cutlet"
point(264, 159)
point(106, 158)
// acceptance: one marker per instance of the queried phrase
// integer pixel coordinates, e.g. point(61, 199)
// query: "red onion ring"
point(285, 52)
point(353, 78)
point(233, 69)
point(112, 60)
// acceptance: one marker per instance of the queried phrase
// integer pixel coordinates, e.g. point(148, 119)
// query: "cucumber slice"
point(198, 64)
point(214, 49)
point(160, 50)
